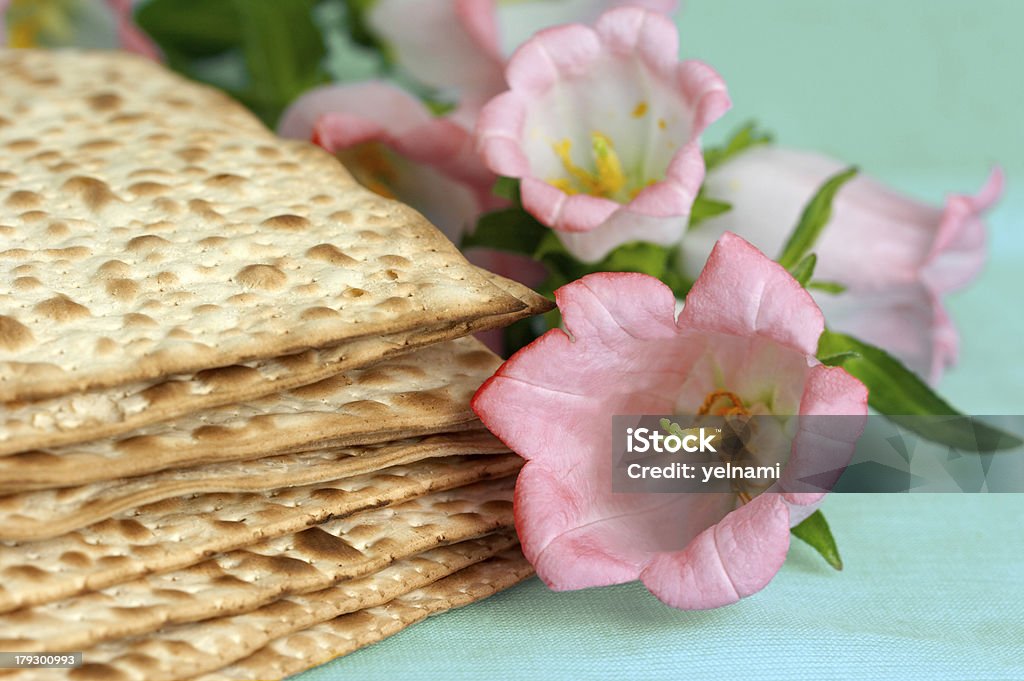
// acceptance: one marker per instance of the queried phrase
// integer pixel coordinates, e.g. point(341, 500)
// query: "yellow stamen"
point(726, 403)
point(640, 110)
point(22, 35)
point(371, 166)
point(662, 124)
point(563, 150)
point(565, 184)
point(715, 397)
point(610, 177)
point(31, 23)
point(607, 180)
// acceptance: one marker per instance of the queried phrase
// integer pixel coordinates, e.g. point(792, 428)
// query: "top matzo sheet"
point(151, 226)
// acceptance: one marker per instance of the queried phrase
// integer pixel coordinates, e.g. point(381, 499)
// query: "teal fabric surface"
point(920, 94)
point(931, 590)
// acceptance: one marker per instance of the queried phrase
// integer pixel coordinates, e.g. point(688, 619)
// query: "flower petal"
point(742, 292)
point(652, 36)
point(768, 187)
point(907, 321)
point(444, 44)
point(604, 360)
point(833, 414)
point(703, 85)
point(430, 162)
point(131, 37)
point(392, 108)
point(612, 359)
point(520, 20)
point(576, 213)
point(958, 252)
point(623, 226)
point(607, 538)
point(479, 19)
point(498, 129)
point(726, 562)
point(551, 55)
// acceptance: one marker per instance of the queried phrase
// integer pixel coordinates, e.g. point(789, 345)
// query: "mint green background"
point(925, 95)
point(902, 86)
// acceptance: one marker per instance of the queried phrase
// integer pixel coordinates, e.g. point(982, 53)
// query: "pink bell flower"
point(459, 47)
point(396, 147)
point(602, 127)
point(896, 257)
point(748, 334)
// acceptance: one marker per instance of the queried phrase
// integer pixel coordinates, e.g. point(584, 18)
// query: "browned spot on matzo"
point(23, 200)
point(287, 222)
point(27, 283)
point(61, 309)
point(330, 254)
point(123, 290)
point(104, 101)
point(13, 334)
point(94, 193)
point(147, 243)
point(149, 189)
point(265, 277)
point(316, 542)
point(113, 269)
point(314, 313)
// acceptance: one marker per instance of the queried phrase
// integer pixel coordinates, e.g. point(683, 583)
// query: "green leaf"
point(804, 270)
point(191, 28)
point(896, 392)
point(705, 208)
point(507, 188)
point(638, 256)
point(512, 229)
point(679, 283)
point(832, 287)
point(438, 107)
point(674, 277)
point(550, 247)
point(359, 27)
point(814, 530)
point(283, 50)
point(816, 215)
point(744, 138)
point(348, 58)
point(523, 332)
point(838, 359)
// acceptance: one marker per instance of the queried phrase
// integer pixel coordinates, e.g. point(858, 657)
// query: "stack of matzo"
point(235, 434)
